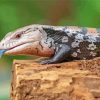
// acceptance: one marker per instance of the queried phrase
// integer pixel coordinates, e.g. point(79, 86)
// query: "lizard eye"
point(18, 36)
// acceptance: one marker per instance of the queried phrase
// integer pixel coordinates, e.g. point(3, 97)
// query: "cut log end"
point(77, 80)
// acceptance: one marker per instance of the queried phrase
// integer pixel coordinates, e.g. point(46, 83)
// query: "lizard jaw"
point(31, 48)
point(19, 49)
point(13, 50)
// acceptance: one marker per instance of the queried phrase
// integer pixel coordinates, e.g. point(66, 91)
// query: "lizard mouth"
point(7, 51)
point(17, 47)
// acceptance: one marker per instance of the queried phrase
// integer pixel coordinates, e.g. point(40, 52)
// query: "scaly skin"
point(57, 42)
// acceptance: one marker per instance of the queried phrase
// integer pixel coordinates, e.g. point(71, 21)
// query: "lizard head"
point(21, 41)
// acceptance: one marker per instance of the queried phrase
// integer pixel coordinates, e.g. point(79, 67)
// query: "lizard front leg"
point(61, 53)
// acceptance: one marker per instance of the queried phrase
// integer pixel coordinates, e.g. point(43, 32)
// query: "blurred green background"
point(18, 13)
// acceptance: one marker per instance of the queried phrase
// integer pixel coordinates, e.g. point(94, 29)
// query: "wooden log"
point(77, 80)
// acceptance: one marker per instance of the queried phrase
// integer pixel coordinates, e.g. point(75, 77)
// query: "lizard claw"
point(47, 62)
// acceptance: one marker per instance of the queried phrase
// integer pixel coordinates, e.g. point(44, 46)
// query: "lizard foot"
point(59, 57)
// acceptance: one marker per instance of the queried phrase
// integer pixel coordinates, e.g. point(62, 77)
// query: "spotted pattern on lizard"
point(60, 43)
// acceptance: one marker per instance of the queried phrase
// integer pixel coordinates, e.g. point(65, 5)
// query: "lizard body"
point(57, 42)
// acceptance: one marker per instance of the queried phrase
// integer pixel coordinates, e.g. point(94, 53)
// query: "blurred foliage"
point(17, 13)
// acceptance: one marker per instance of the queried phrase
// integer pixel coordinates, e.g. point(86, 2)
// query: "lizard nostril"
point(3, 44)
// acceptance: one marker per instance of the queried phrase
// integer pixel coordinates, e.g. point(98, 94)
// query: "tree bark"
point(76, 80)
